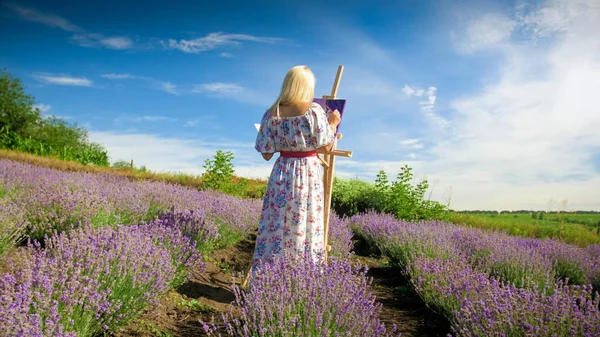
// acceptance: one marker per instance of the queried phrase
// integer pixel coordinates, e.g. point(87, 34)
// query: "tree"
point(22, 128)
point(17, 113)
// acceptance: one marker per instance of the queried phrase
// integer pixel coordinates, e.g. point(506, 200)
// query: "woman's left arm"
point(267, 156)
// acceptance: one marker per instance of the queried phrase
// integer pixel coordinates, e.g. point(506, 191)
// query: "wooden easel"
point(329, 165)
point(328, 162)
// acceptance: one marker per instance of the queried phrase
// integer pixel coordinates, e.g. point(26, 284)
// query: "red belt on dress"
point(297, 154)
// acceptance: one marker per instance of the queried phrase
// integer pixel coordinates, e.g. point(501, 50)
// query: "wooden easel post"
point(329, 166)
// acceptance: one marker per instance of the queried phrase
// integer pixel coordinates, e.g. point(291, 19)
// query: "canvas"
point(329, 105)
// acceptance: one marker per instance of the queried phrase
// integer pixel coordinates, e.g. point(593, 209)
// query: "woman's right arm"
point(333, 121)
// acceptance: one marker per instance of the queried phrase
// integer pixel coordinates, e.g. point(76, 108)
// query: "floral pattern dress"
point(292, 218)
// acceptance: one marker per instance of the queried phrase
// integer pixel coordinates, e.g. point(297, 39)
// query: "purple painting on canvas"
point(330, 105)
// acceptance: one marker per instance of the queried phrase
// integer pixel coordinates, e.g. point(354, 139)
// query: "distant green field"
point(551, 219)
point(579, 229)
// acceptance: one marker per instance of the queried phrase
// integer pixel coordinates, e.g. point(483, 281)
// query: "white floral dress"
point(292, 213)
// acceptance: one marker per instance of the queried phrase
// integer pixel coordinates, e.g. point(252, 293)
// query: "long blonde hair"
point(298, 86)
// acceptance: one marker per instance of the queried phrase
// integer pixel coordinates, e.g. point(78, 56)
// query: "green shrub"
point(350, 197)
point(400, 198)
point(407, 202)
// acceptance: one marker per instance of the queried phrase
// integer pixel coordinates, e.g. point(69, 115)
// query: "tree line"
point(23, 128)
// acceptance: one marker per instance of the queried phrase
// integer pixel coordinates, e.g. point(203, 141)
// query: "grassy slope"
point(173, 178)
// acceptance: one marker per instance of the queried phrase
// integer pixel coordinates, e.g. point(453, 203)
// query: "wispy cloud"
point(412, 91)
point(165, 86)
point(411, 143)
point(170, 154)
point(218, 87)
point(85, 38)
point(80, 37)
point(485, 32)
point(118, 76)
point(214, 41)
point(210, 121)
point(64, 80)
point(140, 119)
point(48, 19)
point(43, 107)
point(168, 87)
point(428, 105)
point(99, 40)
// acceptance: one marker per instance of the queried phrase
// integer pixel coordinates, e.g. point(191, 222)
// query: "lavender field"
point(86, 255)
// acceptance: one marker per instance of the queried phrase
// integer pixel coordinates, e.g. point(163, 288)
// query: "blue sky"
point(491, 101)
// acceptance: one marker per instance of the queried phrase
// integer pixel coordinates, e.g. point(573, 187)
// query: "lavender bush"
point(298, 297)
point(12, 224)
point(340, 237)
point(478, 305)
point(91, 281)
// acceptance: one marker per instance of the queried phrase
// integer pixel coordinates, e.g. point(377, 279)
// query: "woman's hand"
point(334, 118)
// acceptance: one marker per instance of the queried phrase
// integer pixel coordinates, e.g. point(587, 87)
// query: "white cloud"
point(99, 40)
point(215, 40)
point(64, 80)
point(412, 155)
point(81, 37)
point(118, 76)
point(164, 154)
point(428, 106)
point(168, 87)
point(224, 88)
point(411, 143)
point(48, 19)
point(43, 107)
point(145, 118)
point(412, 91)
point(192, 122)
point(484, 32)
point(227, 55)
point(165, 86)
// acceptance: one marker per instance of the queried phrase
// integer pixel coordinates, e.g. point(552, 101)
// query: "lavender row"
point(41, 201)
point(479, 305)
point(492, 284)
point(521, 261)
point(298, 297)
point(92, 281)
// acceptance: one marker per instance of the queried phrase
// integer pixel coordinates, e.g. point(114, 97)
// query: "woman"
point(292, 219)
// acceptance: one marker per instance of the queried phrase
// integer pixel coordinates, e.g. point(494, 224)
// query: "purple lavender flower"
point(298, 297)
point(101, 278)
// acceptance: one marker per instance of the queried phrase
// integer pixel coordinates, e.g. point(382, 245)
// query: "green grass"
point(196, 306)
point(524, 225)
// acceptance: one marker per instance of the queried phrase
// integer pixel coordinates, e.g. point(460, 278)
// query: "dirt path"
point(400, 304)
point(179, 313)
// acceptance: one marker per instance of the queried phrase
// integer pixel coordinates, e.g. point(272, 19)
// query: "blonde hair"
point(298, 86)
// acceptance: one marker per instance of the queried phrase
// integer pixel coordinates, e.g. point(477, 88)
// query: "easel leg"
point(328, 182)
